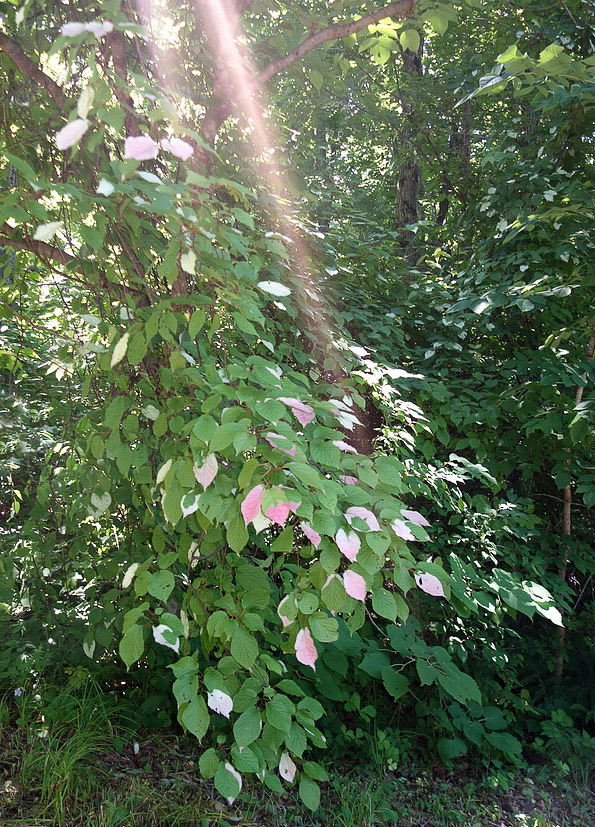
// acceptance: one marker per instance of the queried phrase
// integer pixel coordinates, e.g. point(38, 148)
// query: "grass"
point(67, 760)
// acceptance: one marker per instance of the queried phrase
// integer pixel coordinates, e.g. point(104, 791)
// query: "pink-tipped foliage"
point(287, 768)
point(140, 148)
point(278, 513)
point(250, 507)
point(364, 514)
point(402, 530)
point(344, 446)
point(71, 133)
point(429, 584)
point(178, 147)
point(220, 702)
point(275, 439)
point(302, 412)
point(284, 619)
point(207, 471)
point(414, 517)
point(349, 544)
point(355, 585)
point(312, 535)
point(305, 651)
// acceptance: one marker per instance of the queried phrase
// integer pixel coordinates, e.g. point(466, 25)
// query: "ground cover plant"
point(298, 401)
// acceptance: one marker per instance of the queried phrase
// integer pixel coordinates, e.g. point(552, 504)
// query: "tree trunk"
point(407, 206)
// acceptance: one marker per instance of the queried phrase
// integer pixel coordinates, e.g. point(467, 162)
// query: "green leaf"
point(333, 594)
point(204, 428)
point(224, 436)
point(315, 771)
point(427, 673)
point(438, 23)
point(390, 471)
point(244, 647)
point(450, 748)
point(245, 760)
point(323, 628)
point(374, 663)
point(247, 727)
point(462, 687)
point(132, 645)
point(307, 474)
point(395, 683)
point(309, 792)
point(195, 717)
point(161, 584)
point(384, 604)
point(279, 712)
point(237, 534)
point(493, 718)
point(504, 742)
point(208, 763)
point(226, 783)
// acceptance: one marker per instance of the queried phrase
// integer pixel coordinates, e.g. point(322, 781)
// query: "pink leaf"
point(302, 412)
point(346, 480)
point(278, 513)
point(99, 27)
point(178, 147)
point(272, 438)
point(312, 535)
point(140, 148)
point(71, 133)
point(364, 514)
point(344, 446)
point(415, 517)
point(287, 768)
point(303, 417)
point(349, 544)
point(402, 530)
point(207, 471)
point(250, 507)
point(305, 651)
point(293, 506)
point(355, 585)
point(284, 619)
point(219, 702)
point(72, 29)
point(429, 584)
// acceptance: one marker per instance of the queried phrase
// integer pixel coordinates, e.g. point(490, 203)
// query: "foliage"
point(198, 495)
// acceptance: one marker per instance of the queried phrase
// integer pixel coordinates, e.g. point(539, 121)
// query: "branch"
point(117, 44)
point(39, 248)
point(28, 68)
point(48, 253)
point(336, 31)
point(217, 113)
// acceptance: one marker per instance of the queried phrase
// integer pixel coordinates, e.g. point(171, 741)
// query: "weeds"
point(67, 760)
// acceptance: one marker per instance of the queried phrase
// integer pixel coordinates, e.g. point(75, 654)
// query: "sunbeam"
point(236, 93)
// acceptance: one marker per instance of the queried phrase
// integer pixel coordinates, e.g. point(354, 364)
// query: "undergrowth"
point(75, 757)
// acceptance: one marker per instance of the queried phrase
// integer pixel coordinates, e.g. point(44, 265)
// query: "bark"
point(116, 45)
point(31, 70)
point(407, 206)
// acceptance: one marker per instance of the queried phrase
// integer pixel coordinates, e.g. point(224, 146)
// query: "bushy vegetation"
point(299, 448)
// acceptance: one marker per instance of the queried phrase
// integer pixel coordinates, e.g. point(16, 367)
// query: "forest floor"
point(155, 783)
